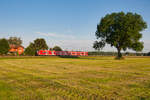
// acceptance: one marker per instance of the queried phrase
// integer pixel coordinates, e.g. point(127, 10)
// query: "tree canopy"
point(57, 48)
point(15, 41)
point(30, 50)
point(4, 46)
point(40, 43)
point(121, 30)
point(148, 54)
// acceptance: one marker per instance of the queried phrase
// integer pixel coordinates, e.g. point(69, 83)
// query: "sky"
point(70, 24)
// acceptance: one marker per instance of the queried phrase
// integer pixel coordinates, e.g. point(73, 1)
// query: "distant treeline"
point(13, 47)
point(101, 53)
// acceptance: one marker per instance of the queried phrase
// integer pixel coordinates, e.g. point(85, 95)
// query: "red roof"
point(15, 47)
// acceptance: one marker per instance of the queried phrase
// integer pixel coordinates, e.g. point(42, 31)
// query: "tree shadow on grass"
point(75, 57)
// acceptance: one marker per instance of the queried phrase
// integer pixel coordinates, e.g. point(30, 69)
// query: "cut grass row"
point(85, 78)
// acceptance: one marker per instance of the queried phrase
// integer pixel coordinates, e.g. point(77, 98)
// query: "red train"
point(61, 53)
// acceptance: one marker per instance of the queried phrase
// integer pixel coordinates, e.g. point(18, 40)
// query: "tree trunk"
point(119, 53)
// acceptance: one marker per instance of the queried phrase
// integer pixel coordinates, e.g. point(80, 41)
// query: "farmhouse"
point(16, 49)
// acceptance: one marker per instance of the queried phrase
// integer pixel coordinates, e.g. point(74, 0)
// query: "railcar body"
point(61, 53)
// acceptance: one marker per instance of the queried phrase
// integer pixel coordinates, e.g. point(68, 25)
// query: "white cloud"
point(56, 35)
point(82, 43)
point(86, 45)
point(146, 47)
point(72, 44)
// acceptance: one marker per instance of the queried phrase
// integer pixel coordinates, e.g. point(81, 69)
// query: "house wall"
point(20, 50)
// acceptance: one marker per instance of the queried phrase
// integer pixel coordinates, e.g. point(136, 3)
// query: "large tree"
point(38, 44)
point(4, 46)
point(121, 30)
point(15, 41)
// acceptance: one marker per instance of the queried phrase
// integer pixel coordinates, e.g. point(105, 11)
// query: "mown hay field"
point(84, 78)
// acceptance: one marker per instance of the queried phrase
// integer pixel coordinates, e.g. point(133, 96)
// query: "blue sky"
point(70, 24)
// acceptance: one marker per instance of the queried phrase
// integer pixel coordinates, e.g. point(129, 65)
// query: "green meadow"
point(84, 78)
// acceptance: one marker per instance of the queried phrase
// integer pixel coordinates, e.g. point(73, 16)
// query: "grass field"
point(85, 78)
